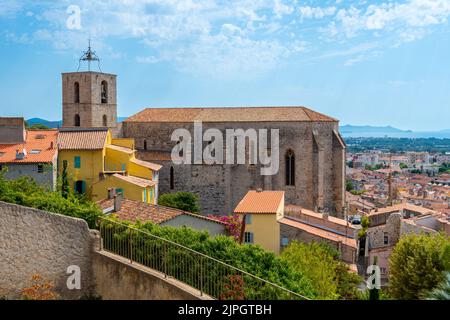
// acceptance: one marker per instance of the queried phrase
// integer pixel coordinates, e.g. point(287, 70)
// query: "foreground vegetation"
point(418, 265)
point(24, 191)
point(312, 269)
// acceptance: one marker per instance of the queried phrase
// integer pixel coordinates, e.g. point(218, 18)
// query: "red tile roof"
point(260, 202)
point(82, 139)
point(135, 180)
point(150, 165)
point(322, 233)
point(36, 140)
point(229, 114)
point(135, 210)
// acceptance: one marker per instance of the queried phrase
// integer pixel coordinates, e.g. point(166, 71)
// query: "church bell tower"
point(89, 97)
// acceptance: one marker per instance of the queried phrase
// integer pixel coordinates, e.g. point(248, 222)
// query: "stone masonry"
point(38, 242)
point(319, 170)
point(89, 107)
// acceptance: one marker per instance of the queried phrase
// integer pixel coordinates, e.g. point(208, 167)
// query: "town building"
point(259, 212)
point(31, 153)
point(389, 224)
point(134, 211)
point(311, 166)
point(304, 225)
point(95, 162)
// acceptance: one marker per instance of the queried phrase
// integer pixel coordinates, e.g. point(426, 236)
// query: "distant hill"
point(351, 131)
point(55, 124)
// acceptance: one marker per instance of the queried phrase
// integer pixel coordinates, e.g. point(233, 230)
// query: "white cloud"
point(230, 36)
point(390, 17)
point(147, 59)
point(9, 8)
point(281, 9)
point(308, 12)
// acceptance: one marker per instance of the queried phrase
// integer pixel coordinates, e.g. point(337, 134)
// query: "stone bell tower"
point(89, 97)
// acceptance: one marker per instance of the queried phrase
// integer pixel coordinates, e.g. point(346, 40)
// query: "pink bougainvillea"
point(233, 224)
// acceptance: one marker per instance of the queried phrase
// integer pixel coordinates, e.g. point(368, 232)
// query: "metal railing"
point(210, 276)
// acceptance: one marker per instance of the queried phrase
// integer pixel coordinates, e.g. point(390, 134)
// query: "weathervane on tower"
point(89, 56)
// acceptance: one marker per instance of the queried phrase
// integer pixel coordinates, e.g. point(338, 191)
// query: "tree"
point(441, 292)
point(349, 186)
point(180, 200)
point(417, 265)
point(64, 181)
point(319, 263)
point(403, 166)
point(38, 126)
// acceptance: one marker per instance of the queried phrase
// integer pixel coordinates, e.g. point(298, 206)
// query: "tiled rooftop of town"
point(230, 114)
point(40, 146)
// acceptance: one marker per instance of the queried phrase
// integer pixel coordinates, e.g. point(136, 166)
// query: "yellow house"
point(95, 162)
point(259, 211)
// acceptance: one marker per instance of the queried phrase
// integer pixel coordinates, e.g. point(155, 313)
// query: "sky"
point(363, 62)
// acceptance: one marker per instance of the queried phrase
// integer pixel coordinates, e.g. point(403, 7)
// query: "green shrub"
point(185, 201)
point(319, 263)
point(417, 265)
point(26, 192)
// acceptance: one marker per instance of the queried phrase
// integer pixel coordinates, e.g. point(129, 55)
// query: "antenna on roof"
point(89, 56)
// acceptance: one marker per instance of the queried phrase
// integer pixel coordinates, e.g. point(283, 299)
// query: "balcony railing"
point(210, 276)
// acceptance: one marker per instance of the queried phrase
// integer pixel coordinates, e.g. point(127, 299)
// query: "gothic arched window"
point(171, 179)
point(290, 168)
point(105, 120)
point(104, 92)
point(77, 121)
point(76, 92)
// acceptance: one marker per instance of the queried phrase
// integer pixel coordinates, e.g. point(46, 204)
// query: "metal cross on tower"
point(89, 56)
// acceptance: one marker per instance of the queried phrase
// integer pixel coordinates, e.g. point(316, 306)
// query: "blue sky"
point(363, 62)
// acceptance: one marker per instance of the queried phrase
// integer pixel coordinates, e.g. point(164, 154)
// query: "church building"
point(311, 151)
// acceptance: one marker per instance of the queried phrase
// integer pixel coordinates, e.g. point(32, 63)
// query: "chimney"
point(259, 190)
point(111, 193)
point(325, 215)
point(51, 145)
point(117, 202)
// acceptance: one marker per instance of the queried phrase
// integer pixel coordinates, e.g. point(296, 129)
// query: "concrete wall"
point(38, 242)
point(221, 187)
point(47, 178)
point(213, 228)
point(118, 279)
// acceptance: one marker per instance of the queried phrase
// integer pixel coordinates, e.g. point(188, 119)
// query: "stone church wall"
point(221, 187)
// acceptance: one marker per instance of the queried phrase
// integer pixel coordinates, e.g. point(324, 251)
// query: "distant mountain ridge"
point(57, 123)
point(348, 130)
point(353, 131)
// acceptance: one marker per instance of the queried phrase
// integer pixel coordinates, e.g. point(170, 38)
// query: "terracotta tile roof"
point(36, 140)
point(135, 180)
point(326, 234)
point(120, 148)
point(135, 210)
point(82, 139)
point(150, 165)
point(229, 114)
point(402, 206)
point(260, 202)
point(290, 208)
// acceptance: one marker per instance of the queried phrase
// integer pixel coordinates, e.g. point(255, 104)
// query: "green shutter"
point(77, 162)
